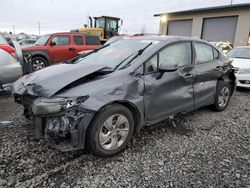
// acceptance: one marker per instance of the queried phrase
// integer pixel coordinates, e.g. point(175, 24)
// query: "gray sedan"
point(102, 99)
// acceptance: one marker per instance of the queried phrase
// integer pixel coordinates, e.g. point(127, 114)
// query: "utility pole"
point(231, 2)
point(14, 32)
point(39, 28)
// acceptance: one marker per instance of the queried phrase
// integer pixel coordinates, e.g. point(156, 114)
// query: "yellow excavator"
point(104, 26)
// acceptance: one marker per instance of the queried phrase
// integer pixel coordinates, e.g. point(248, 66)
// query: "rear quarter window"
point(216, 54)
point(92, 40)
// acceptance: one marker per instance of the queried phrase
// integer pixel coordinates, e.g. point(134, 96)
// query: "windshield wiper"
point(122, 61)
point(137, 54)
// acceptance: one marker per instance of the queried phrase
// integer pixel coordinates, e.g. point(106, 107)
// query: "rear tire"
point(110, 131)
point(223, 95)
point(39, 63)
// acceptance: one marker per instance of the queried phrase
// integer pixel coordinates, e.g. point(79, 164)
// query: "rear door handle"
point(71, 49)
point(218, 68)
point(188, 76)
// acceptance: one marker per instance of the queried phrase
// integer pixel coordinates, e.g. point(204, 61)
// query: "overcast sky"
point(64, 15)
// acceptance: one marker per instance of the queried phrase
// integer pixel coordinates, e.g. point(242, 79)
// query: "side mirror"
point(52, 43)
point(168, 66)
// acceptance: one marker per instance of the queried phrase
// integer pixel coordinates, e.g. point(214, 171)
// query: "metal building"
point(221, 23)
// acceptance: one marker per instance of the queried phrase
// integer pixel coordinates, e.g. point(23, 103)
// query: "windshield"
point(239, 53)
point(42, 40)
point(117, 54)
point(3, 41)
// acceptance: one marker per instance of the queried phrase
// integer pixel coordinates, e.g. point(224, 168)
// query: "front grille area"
point(244, 81)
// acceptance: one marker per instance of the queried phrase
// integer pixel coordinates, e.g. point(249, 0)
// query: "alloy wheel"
point(38, 64)
point(114, 132)
point(224, 96)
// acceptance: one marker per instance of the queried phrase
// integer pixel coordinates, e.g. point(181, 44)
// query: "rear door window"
point(92, 40)
point(78, 40)
point(61, 40)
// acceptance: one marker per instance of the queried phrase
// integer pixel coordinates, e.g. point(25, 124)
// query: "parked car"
point(27, 42)
point(104, 98)
point(6, 47)
point(224, 46)
point(241, 60)
point(10, 66)
point(55, 48)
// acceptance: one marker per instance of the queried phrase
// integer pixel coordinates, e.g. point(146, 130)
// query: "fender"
point(41, 53)
point(78, 138)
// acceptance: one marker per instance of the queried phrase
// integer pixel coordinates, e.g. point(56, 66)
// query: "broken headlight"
point(43, 106)
point(71, 102)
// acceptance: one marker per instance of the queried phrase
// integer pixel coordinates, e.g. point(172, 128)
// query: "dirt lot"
point(207, 149)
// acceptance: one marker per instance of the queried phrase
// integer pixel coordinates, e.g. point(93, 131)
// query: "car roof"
point(167, 38)
point(61, 33)
point(242, 47)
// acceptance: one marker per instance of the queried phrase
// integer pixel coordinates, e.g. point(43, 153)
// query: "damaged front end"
point(62, 121)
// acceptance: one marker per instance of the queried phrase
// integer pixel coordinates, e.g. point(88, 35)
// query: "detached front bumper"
point(66, 132)
point(64, 128)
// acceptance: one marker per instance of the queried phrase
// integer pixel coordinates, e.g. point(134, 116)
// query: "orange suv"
point(55, 48)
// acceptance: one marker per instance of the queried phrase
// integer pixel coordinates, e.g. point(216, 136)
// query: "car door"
point(61, 48)
point(79, 44)
point(170, 93)
point(208, 69)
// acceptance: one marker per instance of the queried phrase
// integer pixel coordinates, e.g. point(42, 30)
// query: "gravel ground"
point(206, 149)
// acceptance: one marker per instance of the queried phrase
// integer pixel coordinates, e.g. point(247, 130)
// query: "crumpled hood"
point(50, 80)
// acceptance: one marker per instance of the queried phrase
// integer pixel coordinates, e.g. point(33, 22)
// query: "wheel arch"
point(42, 55)
point(230, 78)
point(132, 107)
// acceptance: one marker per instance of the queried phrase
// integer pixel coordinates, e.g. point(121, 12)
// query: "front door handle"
point(72, 49)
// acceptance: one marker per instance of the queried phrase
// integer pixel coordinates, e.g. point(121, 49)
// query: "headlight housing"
point(43, 106)
point(244, 71)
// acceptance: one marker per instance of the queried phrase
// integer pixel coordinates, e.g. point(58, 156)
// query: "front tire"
point(39, 63)
point(222, 97)
point(110, 131)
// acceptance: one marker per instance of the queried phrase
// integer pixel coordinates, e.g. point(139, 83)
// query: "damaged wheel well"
point(230, 78)
point(135, 112)
point(133, 109)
